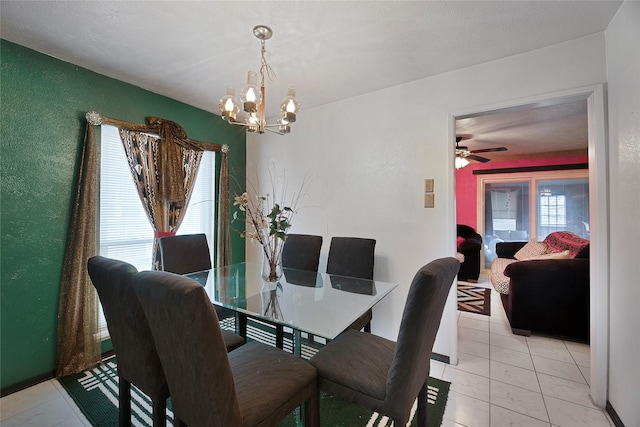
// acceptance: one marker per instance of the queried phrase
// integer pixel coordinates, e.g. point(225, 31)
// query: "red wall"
point(467, 182)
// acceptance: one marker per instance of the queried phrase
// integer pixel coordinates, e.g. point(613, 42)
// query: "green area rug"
point(96, 394)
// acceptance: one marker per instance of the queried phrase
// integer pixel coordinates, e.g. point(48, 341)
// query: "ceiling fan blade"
point(478, 158)
point(489, 150)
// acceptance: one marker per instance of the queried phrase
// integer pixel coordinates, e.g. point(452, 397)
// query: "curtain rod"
point(154, 125)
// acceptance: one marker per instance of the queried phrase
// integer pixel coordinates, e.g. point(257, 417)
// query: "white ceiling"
point(532, 131)
point(331, 50)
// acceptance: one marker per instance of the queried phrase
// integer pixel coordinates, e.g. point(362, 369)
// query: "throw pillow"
point(559, 241)
point(554, 255)
point(532, 249)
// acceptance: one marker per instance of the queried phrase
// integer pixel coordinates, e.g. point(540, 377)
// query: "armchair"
point(470, 246)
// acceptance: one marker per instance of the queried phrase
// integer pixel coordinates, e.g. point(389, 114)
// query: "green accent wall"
point(43, 104)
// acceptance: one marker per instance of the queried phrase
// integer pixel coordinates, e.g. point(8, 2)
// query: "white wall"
point(623, 74)
point(368, 157)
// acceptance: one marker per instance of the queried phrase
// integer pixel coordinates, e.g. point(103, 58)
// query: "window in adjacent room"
point(522, 206)
point(553, 210)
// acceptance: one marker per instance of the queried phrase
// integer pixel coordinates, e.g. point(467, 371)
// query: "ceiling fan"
point(463, 154)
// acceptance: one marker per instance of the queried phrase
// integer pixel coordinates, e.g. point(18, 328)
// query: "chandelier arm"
point(268, 127)
point(241, 124)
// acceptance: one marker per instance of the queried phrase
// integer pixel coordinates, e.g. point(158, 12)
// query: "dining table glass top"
point(317, 303)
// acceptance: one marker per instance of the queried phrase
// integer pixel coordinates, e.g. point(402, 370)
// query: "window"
point(124, 230)
point(553, 211)
point(530, 205)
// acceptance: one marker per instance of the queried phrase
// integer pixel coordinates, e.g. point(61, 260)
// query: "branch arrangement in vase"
point(267, 220)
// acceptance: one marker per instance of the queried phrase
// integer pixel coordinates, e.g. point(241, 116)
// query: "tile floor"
point(501, 380)
point(508, 380)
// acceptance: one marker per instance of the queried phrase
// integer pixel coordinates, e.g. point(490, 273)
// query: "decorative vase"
point(270, 299)
point(272, 267)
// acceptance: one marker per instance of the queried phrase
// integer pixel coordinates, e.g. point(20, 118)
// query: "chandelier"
point(253, 97)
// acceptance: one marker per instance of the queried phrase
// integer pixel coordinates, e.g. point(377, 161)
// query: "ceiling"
point(330, 50)
point(530, 131)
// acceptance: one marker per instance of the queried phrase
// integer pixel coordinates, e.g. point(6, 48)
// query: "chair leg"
point(367, 327)
point(312, 410)
point(241, 325)
point(279, 336)
point(124, 402)
point(159, 411)
point(421, 413)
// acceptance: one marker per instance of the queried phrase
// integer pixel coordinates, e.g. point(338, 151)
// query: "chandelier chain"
point(264, 66)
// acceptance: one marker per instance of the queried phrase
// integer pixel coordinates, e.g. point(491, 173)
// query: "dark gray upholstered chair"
point(185, 253)
point(302, 252)
point(189, 253)
point(384, 376)
point(354, 257)
point(138, 361)
point(255, 385)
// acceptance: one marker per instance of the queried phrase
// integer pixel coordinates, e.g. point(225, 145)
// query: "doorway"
point(593, 99)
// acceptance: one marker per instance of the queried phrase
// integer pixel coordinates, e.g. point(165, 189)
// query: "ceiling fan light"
point(461, 162)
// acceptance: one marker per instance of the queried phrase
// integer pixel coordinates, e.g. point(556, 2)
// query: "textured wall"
point(367, 162)
point(43, 106)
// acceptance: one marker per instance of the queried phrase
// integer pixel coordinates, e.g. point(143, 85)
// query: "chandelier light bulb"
point(283, 119)
point(289, 105)
point(250, 95)
point(229, 105)
point(284, 129)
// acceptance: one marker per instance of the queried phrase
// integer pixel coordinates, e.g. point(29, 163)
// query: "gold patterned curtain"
point(77, 345)
point(165, 205)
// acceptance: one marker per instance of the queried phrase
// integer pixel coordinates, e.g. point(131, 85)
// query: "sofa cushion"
point(559, 241)
point(499, 281)
point(554, 255)
point(532, 249)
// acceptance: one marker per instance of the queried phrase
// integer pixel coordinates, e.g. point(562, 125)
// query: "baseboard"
point(614, 415)
point(441, 358)
point(30, 382)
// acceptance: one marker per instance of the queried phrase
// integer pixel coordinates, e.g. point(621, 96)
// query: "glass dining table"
point(318, 304)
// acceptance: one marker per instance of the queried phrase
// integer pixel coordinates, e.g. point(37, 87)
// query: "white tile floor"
point(44, 405)
point(509, 380)
point(501, 380)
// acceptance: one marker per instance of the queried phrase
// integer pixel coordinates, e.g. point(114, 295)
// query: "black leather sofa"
point(471, 248)
point(549, 297)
